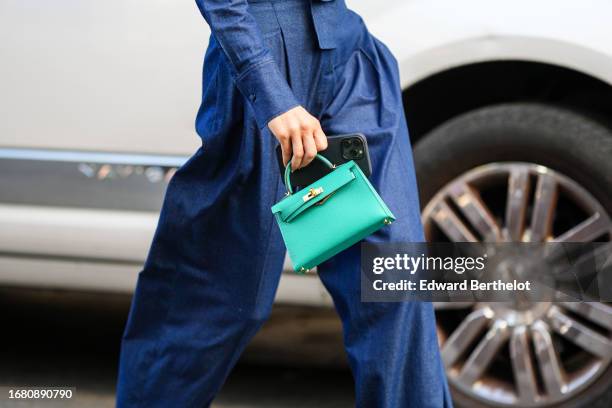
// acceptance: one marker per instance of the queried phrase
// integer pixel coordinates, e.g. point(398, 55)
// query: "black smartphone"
point(340, 149)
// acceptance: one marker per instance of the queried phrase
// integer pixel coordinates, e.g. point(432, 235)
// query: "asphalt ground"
point(64, 339)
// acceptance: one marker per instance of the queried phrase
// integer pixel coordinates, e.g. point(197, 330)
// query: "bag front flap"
point(293, 205)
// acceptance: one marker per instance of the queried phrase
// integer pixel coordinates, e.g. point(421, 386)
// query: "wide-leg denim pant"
point(213, 268)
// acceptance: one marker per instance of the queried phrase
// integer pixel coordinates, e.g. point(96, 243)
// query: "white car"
point(510, 111)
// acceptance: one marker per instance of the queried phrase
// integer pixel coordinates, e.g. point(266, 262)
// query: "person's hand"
point(300, 136)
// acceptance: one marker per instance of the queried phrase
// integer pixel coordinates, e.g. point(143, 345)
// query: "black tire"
point(557, 138)
point(560, 139)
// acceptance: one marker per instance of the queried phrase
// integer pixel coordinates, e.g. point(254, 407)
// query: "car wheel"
point(524, 173)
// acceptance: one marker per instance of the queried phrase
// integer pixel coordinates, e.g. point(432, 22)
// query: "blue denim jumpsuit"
point(209, 281)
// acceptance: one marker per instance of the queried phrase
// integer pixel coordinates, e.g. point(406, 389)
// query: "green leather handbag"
point(330, 215)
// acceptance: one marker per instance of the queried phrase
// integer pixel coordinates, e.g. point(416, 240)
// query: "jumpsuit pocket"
point(356, 87)
point(366, 92)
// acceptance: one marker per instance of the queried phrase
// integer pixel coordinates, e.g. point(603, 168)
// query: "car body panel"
point(112, 76)
point(444, 34)
point(123, 78)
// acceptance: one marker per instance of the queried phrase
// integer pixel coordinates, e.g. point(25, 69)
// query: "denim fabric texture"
point(209, 281)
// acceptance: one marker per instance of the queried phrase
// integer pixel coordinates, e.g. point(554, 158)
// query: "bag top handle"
point(288, 171)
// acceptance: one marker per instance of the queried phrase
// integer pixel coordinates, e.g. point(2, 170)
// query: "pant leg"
point(214, 265)
point(391, 346)
point(216, 258)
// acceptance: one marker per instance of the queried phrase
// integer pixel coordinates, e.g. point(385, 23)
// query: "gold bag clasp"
point(312, 193)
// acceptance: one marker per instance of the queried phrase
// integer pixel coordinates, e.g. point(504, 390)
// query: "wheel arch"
point(442, 83)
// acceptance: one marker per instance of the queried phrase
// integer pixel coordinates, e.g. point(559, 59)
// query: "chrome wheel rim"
point(545, 352)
